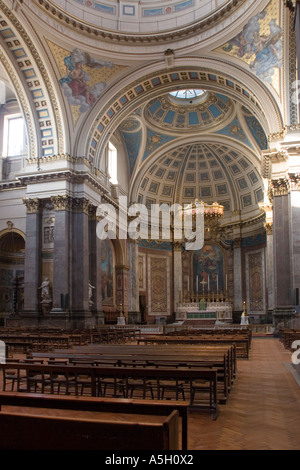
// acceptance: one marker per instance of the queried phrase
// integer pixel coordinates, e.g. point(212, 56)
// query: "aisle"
point(263, 411)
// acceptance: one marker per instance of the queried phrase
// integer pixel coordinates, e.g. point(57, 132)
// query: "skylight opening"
point(187, 94)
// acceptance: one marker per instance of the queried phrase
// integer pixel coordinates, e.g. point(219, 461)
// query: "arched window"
point(14, 135)
point(113, 163)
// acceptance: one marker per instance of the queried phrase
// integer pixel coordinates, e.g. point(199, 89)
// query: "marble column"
point(281, 243)
point(32, 270)
point(95, 268)
point(177, 274)
point(80, 273)
point(61, 253)
point(295, 234)
point(122, 289)
point(297, 30)
point(134, 315)
point(1, 167)
point(270, 268)
point(238, 278)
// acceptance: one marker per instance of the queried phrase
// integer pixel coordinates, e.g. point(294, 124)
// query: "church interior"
point(120, 119)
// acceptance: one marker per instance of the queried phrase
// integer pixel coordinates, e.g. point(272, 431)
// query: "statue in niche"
point(91, 303)
point(46, 299)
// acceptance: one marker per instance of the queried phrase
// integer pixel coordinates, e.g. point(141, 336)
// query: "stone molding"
point(119, 37)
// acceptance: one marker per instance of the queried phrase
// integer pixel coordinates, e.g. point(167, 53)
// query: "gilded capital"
point(32, 205)
point(281, 187)
point(61, 203)
point(81, 205)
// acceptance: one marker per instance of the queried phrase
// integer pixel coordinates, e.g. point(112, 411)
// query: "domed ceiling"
point(205, 171)
point(142, 16)
point(204, 111)
point(217, 162)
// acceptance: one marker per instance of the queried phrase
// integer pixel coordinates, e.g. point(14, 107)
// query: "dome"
point(209, 172)
point(129, 19)
point(201, 111)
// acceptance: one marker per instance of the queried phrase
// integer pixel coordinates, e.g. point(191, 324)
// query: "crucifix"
point(203, 284)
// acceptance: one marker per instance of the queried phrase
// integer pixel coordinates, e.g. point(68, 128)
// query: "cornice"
point(72, 176)
point(139, 39)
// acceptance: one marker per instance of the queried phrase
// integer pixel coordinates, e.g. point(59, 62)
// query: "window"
point(187, 94)
point(14, 136)
point(112, 163)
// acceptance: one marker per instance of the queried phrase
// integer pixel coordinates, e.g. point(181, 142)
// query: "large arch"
point(145, 84)
point(33, 87)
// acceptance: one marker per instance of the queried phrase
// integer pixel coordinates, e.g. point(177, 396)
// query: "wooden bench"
point(42, 377)
point(222, 358)
point(95, 404)
point(242, 344)
point(39, 432)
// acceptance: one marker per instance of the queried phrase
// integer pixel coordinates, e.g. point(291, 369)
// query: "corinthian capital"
point(61, 203)
point(32, 205)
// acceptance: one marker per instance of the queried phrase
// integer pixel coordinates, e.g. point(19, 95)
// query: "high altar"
point(205, 294)
point(214, 310)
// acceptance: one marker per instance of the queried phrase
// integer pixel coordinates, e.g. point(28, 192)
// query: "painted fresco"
point(107, 273)
point(208, 267)
point(260, 44)
point(76, 82)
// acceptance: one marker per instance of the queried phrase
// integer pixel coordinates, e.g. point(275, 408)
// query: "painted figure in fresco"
point(78, 84)
point(75, 83)
point(208, 266)
point(266, 48)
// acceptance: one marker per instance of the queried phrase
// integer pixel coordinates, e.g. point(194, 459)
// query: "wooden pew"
point(222, 358)
point(43, 432)
point(95, 404)
point(43, 375)
point(242, 344)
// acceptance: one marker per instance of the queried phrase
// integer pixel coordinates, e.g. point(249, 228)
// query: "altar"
point(218, 311)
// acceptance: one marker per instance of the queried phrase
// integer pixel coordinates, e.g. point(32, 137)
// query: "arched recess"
point(29, 78)
point(12, 258)
point(152, 81)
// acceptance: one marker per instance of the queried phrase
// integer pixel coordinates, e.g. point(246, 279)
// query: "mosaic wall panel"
point(159, 285)
point(256, 282)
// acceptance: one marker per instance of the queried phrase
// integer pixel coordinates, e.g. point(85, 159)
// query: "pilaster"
point(61, 252)
point(177, 275)
point(238, 279)
point(134, 315)
point(122, 289)
point(32, 257)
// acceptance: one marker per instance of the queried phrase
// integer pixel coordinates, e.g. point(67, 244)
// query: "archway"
point(12, 254)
